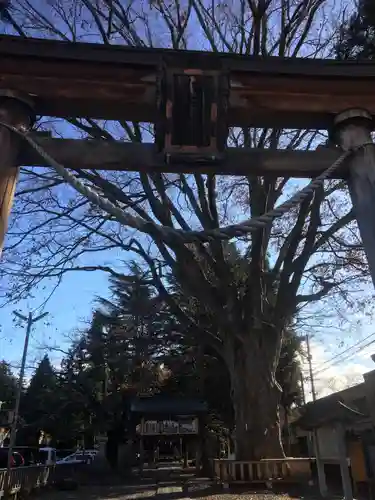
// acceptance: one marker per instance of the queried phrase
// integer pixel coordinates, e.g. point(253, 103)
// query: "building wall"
point(370, 392)
point(328, 442)
point(357, 460)
point(359, 449)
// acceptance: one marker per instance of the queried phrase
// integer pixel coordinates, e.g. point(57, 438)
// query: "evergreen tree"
point(138, 326)
point(8, 386)
point(357, 34)
point(40, 404)
point(136, 345)
point(114, 359)
point(77, 402)
point(288, 372)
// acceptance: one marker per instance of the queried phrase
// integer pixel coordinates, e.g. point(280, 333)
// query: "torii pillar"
point(353, 129)
point(16, 109)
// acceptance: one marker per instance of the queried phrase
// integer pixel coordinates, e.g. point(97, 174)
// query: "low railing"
point(27, 479)
point(291, 470)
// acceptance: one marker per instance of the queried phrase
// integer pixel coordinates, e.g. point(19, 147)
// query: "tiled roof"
point(168, 406)
point(332, 408)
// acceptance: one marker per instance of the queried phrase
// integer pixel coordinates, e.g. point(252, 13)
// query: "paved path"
point(166, 492)
point(166, 483)
point(125, 493)
point(104, 493)
point(170, 491)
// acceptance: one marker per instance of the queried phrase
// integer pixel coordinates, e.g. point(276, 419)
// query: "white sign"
point(168, 427)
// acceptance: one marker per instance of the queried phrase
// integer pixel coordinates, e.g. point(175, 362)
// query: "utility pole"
point(30, 322)
point(319, 464)
point(302, 380)
point(309, 360)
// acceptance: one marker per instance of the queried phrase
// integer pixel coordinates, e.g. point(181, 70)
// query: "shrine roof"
point(168, 406)
point(347, 406)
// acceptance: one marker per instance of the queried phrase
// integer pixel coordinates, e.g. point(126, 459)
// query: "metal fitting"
point(24, 99)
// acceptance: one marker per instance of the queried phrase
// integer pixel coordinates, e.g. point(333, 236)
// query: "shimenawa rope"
point(228, 232)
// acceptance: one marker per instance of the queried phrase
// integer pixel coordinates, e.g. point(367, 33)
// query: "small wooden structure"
point(286, 471)
point(341, 431)
point(161, 419)
point(25, 480)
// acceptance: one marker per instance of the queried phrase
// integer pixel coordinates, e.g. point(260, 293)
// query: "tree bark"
point(256, 399)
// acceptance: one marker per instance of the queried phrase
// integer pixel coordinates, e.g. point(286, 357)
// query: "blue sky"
point(69, 308)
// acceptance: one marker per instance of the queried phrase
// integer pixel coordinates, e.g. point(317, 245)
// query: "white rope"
point(166, 232)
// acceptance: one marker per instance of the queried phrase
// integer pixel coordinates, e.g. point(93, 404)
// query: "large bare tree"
point(311, 254)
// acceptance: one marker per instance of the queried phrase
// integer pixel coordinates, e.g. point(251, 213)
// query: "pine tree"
point(40, 404)
point(357, 34)
point(8, 386)
point(137, 326)
point(78, 401)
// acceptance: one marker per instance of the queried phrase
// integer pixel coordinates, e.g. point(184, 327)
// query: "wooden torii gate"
point(192, 98)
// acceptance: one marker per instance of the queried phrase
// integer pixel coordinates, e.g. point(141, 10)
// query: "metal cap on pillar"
point(352, 131)
point(350, 117)
point(350, 114)
point(23, 101)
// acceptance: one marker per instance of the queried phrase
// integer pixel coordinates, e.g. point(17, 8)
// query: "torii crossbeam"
point(116, 82)
point(192, 98)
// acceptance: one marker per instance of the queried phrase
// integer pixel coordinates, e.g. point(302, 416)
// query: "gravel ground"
point(205, 492)
point(176, 488)
point(253, 495)
point(120, 494)
point(250, 496)
point(129, 493)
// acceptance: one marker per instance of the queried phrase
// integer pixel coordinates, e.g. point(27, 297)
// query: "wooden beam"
point(105, 155)
point(14, 112)
point(116, 82)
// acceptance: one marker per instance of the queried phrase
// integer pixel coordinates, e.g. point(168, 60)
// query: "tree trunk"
point(256, 398)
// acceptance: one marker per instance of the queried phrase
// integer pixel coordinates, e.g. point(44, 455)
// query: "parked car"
point(47, 455)
point(86, 451)
point(79, 457)
point(30, 454)
point(17, 459)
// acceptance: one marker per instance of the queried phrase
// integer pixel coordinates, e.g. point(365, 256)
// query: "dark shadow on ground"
point(131, 486)
point(118, 493)
point(124, 492)
point(145, 492)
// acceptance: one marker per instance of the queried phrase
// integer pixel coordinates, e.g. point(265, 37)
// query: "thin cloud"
point(333, 376)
